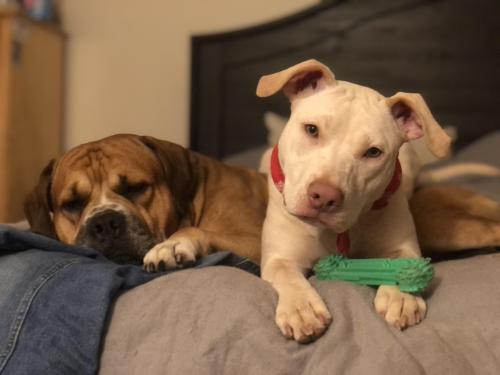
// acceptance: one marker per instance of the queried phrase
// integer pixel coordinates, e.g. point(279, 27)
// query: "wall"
point(129, 61)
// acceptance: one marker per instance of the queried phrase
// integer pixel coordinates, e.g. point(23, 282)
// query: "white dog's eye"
point(311, 130)
point(372, 152)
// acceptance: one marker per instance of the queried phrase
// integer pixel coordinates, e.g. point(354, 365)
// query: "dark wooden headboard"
point(448, 50)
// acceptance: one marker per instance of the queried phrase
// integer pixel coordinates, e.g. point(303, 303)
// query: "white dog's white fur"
point(349, 120)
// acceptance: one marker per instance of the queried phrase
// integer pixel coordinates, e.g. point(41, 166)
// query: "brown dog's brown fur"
point(218, 206)
point(451, 219)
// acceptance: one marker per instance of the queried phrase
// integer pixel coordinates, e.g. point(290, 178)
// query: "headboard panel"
point(448, 50)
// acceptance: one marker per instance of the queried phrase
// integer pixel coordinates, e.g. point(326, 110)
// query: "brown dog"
point(126, 195)
point(138, 198)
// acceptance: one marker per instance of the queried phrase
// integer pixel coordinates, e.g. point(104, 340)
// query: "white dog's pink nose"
point(324, 197)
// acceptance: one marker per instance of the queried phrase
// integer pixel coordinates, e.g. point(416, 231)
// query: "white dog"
point(335, 187)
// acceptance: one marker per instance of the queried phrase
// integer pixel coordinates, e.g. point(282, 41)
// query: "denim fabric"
point(54, 300)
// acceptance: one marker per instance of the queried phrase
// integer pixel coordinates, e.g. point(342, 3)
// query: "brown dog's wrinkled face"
point(113, 195)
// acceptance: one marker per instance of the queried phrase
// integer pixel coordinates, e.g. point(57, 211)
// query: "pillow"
point(251, 158)
point(274, 124)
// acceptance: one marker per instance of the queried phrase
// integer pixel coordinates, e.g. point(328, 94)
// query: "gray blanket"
point(221, 321)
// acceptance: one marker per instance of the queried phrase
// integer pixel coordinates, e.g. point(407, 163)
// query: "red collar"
point(342, 238)
point(276, 171)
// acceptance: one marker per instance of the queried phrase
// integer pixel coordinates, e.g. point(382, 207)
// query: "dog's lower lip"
point(313, 220)
point(317, 219)
point(319, 222)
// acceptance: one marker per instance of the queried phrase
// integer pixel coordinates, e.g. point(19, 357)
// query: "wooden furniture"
point(448, 50)
point(31, 74)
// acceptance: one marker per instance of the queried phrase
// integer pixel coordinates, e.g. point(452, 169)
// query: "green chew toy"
point(411, 275)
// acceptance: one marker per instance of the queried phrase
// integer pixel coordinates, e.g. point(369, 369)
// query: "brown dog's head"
point(120, 195)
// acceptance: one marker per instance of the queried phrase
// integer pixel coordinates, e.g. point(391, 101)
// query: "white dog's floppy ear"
point(415, 119)
point(302, 79)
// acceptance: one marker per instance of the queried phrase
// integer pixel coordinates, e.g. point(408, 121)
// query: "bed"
point(443, 49)
point(220, 319)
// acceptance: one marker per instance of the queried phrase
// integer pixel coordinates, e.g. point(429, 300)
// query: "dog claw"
point(179, 258)
point(161, 266)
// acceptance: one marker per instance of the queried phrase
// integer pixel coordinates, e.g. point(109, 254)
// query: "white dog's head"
point(339, 148)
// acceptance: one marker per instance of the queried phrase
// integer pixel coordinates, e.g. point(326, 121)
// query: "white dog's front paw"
point(399, 309)
point(172, 253)
point(302, 316)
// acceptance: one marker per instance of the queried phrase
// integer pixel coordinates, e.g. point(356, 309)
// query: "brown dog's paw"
point(302, 316)
point(399, 309)
point(170, 254)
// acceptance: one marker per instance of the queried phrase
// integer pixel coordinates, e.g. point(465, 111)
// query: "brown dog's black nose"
point(107, 226)
point(324, 197)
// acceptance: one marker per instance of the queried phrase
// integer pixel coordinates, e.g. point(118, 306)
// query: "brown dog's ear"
point(179, 168)
point(300, 80)
point(415, 119)
point(38, 205)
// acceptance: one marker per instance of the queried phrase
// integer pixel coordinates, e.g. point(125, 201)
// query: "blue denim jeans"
point(55, 298)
